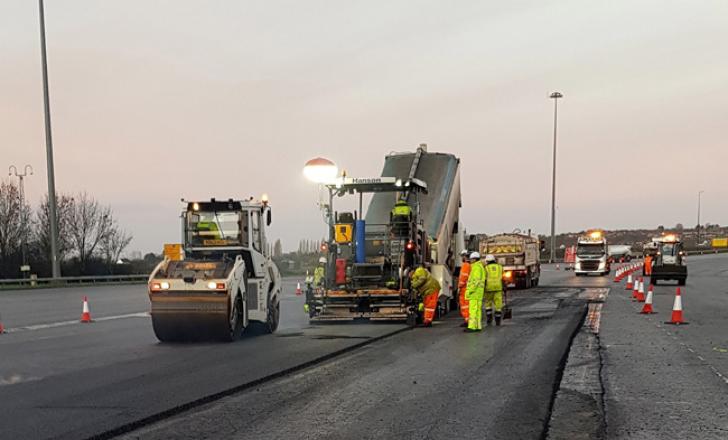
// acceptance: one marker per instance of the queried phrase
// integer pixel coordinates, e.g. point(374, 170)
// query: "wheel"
point(274, 315)
point(681, 282)
point(236, 320)
point(653, 281)
point(535, 282)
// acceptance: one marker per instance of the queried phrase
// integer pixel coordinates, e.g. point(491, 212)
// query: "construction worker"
point(208, 229)
point(493, 290)
point(474, 293)
point(400, 217)
point(463, 286)
point(428, 290)
point(319, 273)
point(648, 265)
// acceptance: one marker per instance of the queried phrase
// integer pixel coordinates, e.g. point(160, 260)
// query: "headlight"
point(602, 264)
point(164, 285)
point(215, 286)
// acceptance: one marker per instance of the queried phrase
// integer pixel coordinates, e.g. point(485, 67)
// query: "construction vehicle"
point(519, 254)
point(370, 257)
point(223, 281)
point(669, 262)
point(592, 254)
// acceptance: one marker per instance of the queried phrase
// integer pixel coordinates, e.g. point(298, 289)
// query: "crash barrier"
point(32, 283)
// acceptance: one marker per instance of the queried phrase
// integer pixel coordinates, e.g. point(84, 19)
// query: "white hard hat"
point(489, 258)
point(475, 256)
point(464, 253)
point(322, 260)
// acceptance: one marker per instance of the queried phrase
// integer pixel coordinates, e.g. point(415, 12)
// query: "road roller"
point(221, 279)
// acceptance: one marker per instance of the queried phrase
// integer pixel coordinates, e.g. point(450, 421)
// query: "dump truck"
point(371, 256)
point(223, 280)
point(592, 256)
point(519, 254)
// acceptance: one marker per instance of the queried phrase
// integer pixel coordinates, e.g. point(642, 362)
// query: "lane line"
point(75, 322)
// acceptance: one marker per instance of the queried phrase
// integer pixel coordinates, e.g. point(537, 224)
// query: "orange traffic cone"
point(630, 284)
point(85, 315)
point(641, 291)
point(635, 291)
point(617, 274)
point(299, 292)
point(647, 308)
point(2, 329)
point(558, 267)
point(677, 315)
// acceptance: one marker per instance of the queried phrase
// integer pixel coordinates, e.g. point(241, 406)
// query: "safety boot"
point(498, 317)
point(488, 317)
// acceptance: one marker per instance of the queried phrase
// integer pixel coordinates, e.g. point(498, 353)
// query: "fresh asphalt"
point(60, 379)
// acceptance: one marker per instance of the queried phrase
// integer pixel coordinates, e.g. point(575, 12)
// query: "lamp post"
point(697, 240)
point(27, 171)
point(555, 96)
point(52, 209)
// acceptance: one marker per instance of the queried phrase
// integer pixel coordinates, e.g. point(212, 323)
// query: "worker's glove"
point(421, 307)
point(305, 308)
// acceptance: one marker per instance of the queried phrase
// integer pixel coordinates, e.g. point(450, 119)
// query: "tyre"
point(535, 282)
point(653, 281)
point(236, 320)
point(274, 316)
point(681, 282)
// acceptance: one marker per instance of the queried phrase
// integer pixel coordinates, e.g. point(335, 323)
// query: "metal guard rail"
point(72, 281)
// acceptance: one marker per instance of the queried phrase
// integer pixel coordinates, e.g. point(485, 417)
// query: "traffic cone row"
point(637, 286)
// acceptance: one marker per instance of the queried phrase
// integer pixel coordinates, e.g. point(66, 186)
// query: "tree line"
point(90, 240)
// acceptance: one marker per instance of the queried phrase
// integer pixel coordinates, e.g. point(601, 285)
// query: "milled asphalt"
point(436, 383)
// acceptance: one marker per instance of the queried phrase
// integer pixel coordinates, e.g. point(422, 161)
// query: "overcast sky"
point(157, 100)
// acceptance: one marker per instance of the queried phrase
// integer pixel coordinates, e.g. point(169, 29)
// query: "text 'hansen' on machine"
point(370, 256)
point(222, 279)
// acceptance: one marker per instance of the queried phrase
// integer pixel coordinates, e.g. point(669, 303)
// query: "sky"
point(153, 101)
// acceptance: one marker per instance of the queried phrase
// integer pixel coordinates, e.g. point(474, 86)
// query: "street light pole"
point(697, 240)
point(555, 96)
point(27, 170)
point(52, 209)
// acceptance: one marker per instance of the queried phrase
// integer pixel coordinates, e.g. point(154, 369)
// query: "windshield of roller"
point(222, 228)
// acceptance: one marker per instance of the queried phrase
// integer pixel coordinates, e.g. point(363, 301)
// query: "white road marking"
point(75, 322)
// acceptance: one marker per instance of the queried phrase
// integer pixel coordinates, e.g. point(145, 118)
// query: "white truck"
point(592, 254)
point(519, 254)
point(224, 281)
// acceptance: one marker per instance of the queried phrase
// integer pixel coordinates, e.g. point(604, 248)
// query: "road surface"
point(62, 379)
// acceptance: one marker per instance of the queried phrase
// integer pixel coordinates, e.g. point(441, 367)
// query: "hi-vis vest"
point(493, 277)
point(401, 208)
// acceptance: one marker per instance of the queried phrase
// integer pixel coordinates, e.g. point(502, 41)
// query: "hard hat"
point(464, 253)
point(475, 256)
point(489, 258)
point(322, 260)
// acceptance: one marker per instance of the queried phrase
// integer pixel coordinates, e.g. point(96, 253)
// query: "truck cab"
point(592, 254)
